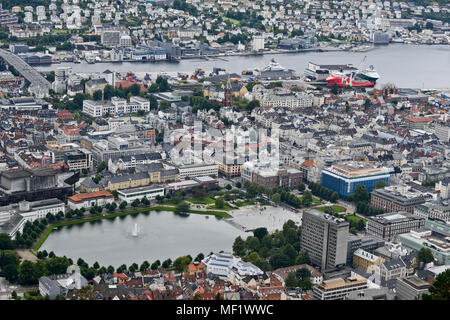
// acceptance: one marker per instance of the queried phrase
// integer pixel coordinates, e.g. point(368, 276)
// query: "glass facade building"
point(343, 179)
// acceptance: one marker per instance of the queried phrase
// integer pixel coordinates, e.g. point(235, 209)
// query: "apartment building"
point(79, 160)
point(365, 260)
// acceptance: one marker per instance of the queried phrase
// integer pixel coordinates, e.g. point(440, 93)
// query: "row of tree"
point(320, 191)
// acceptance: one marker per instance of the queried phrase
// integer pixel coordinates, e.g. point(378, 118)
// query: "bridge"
point(39, 85)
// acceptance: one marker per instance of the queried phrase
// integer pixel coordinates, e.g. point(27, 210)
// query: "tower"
point(228, 102)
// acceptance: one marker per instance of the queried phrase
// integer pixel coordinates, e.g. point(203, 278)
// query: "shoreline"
point(361, 49)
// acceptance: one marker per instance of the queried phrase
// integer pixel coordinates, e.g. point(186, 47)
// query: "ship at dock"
point(342, 75)
point(369, 74)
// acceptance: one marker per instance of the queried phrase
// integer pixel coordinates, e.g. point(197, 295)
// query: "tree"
point(144, 266)
point(260, 233)
point(6, 243)
point(228, 187)
point(301, 187)
point(291, 281)
point(239, 246)
point(334, 197)
point(101, 166)
point(180, 264)
point(279, 260)
point(307, 198)
point(199, 257)
point(360, 194)
point(276, 198)
point(145, 201)
point(440, 289)
point(123, 205)
point(97, 95)
point(135, 203)
point(380, 184)
point(10, 272)
point(166, 263)
point(155, 265)
point(425, 255)
point(29, 273)
point(182, 207)
point(252, 243)
point(303, 258)
point(164, 105)
point(238, 184)
point(220, 203)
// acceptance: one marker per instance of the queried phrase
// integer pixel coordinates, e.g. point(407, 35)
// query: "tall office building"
point(325, 238)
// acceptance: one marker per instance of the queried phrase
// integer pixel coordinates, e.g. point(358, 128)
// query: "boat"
point(370, 74)
point(274, 66)
point(341, 80)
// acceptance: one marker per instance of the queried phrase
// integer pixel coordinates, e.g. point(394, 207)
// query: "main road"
point(28, 72)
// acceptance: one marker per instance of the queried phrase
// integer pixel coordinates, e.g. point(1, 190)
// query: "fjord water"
point(161, 235)
point(407, 66)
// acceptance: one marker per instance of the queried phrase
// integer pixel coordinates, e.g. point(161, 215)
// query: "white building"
point(150, 192)
point(14, 216)
point(225, 264)
point(198, 170)
point(258, 43)
point(116, 106)
point(88, 200)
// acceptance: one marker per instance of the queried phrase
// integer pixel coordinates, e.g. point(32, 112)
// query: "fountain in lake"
point(135, 231)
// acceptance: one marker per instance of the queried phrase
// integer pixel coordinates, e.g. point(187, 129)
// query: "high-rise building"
point(325, 238)
point(442, 131)
point(61, 78)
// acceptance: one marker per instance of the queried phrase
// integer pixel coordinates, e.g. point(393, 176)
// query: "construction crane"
point(357, 69)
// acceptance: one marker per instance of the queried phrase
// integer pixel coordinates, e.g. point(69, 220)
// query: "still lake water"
point(162, 235)
point(407, 66)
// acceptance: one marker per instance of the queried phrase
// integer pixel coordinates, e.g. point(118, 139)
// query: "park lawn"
point(337, 209)
point(234, 21)
point(314, 200)
point(225, 207)
point(354, 218)
point(244, 203)
point(205, 200)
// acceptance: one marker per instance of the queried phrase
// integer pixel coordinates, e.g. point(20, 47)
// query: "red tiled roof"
point(308, 163)
point(417, 119)
point(91, 195)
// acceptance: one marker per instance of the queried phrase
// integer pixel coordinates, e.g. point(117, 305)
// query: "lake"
point(162, 235)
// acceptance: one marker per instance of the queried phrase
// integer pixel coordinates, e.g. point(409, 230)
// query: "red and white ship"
point(341, 80)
